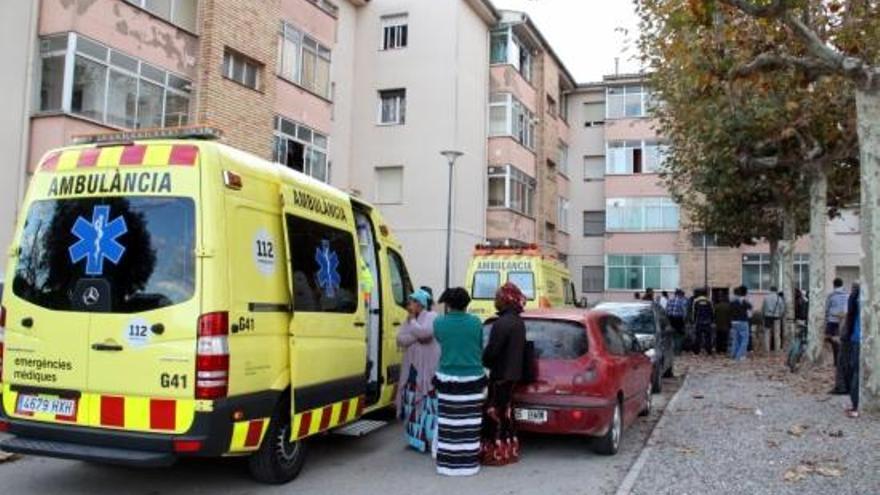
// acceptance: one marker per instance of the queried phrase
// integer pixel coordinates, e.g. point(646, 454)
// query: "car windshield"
point(126, 254)
point(552, 339)
point(485, 284)
point(525, 281)
point(638, 319)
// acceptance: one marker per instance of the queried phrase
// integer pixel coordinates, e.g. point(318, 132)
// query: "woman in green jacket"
point(461, 386)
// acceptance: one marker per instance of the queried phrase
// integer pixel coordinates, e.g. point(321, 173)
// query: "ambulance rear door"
point(328, 350)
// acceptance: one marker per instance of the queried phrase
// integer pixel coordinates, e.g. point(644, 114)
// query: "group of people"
point(448, 405)
point(725, 325)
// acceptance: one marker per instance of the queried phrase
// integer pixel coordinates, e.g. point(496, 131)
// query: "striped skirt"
point(459, 419)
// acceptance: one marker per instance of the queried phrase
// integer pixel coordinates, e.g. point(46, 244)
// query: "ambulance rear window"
point(485, 284)
point(114, 254)
point(525, 281)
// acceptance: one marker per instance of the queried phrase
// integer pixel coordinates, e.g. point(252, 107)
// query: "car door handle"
point(395, 323)
point(106, 347)
point(360, 324)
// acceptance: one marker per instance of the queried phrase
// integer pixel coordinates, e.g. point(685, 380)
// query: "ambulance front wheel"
point(278, 459)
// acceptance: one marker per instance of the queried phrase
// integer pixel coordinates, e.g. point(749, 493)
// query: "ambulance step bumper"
point(360, 428)
point(104, 455)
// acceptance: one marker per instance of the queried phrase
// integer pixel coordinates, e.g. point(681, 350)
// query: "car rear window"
point(485, 284)
point(133, 254)
point(553, 339)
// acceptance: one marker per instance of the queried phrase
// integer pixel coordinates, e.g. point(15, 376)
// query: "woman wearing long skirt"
point(416, 397)
point(504, 356)
point(461, 386)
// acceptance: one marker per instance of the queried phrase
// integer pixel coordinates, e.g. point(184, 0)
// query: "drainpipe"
point(24, 144)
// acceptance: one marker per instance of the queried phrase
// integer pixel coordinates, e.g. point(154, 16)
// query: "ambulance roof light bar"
point(192, 132)
point(506, 248)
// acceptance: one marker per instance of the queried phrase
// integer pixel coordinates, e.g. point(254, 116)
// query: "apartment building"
point(528, 178)
point(633, 236)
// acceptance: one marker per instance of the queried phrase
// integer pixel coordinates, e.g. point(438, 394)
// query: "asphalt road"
point(375, 464)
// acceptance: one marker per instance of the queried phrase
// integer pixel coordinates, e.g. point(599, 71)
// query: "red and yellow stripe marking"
point(185, 155)
point(247, 435)
point(308, 423)
point(116, 411)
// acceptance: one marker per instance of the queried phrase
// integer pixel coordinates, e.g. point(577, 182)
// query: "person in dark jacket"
point(722, 323)
point(504, 356)
point(703, 314)
point(740, 314)
point(842, 371)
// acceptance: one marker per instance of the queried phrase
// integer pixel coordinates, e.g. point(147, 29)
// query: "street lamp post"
point(451, 156)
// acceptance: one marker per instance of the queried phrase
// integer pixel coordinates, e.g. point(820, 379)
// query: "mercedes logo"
point(91, 296)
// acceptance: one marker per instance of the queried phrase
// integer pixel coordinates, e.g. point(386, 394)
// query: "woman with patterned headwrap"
point(503, 356)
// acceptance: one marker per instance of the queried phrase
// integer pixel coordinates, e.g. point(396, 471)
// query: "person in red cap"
point(503, 356)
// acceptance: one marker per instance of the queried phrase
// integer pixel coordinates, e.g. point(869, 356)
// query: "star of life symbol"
point(97, 240)
point(328, 269)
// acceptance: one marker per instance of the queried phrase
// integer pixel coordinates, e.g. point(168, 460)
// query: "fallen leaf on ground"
point(797, 430)
point(836, 434)
point(7, 457)
point(801, 471)
point(772, 444)
point(686, 450)
point(829, 471)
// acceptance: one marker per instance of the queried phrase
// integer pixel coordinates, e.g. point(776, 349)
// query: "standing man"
point(664, 299)
point(722, 323)
point(843, 370)
point(835, 312)
point(703, 315)
point(740, 310)
point(773, 310)
point(676, 311)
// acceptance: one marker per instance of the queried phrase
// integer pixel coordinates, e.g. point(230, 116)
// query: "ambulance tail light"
point(212, 356)
point(187, 446)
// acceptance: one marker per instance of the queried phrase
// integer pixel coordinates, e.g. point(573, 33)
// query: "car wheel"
point(278, 460)
point(656, 382)
point(649, 403)
point(609, 443)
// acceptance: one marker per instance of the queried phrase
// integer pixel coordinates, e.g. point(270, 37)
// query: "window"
point(638, 272)
point(511, 188)
point(327, 6)
point(389, 185)
point(562, 155)
point(592, 279)
point(594, 223)
point(324, 267)
point(507, 48)
point(551, 106)
point(625, 101)
point(594, 114)
point(180, 12)
point(303, 60)
point(594, 167)
point(563, 206)
point(485, 284)
point(525, 281)
point(155, 266)
point(392, 107)
point(241, 69)
point(550, 233)
point(641, 214)
point(654, 156)
point(108, 86)
point(612, 335)
point(301, 148)
point(556, 339)
point(401, 286)
point(756, 272)
point(698, 238)
point(394, 32)
point(563, 103)
point(509, 117)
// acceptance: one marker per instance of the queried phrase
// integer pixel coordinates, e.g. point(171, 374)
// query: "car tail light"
point(212, 356)
point(2, 338)
point(183, 446)
point(4, 426)
point(587, 377)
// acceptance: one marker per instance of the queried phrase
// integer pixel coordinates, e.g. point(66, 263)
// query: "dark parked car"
point(592, 378)
point(650, 325)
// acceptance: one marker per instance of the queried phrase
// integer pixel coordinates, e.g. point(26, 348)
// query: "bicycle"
point(798, 347)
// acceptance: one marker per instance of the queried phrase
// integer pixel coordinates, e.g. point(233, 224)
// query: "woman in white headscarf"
point(416, 397)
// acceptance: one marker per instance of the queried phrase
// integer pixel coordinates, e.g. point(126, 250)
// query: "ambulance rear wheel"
point(278, 459)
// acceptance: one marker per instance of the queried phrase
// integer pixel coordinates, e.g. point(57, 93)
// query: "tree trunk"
point(868, 111)
point(774, 262)
point(818, 216)
point(786, 250)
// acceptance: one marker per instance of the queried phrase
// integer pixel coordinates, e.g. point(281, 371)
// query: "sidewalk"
point(754, 428)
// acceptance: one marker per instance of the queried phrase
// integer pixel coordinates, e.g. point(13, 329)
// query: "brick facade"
point(244, 114)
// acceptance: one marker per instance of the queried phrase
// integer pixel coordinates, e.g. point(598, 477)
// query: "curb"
point(632, 475)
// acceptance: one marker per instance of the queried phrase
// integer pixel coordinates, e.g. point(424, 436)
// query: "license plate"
point(530, 415)
point(35, 404)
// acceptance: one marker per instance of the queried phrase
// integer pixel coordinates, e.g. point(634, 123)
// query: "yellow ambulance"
point(543, 279)
point(168, 296)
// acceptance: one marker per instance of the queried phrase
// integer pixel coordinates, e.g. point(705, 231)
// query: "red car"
point(591, 377)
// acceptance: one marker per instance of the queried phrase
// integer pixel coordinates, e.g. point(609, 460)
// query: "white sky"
point(586, 34)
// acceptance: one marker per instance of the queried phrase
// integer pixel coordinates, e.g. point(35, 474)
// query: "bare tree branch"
point(769, 61)
point(772, 9)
